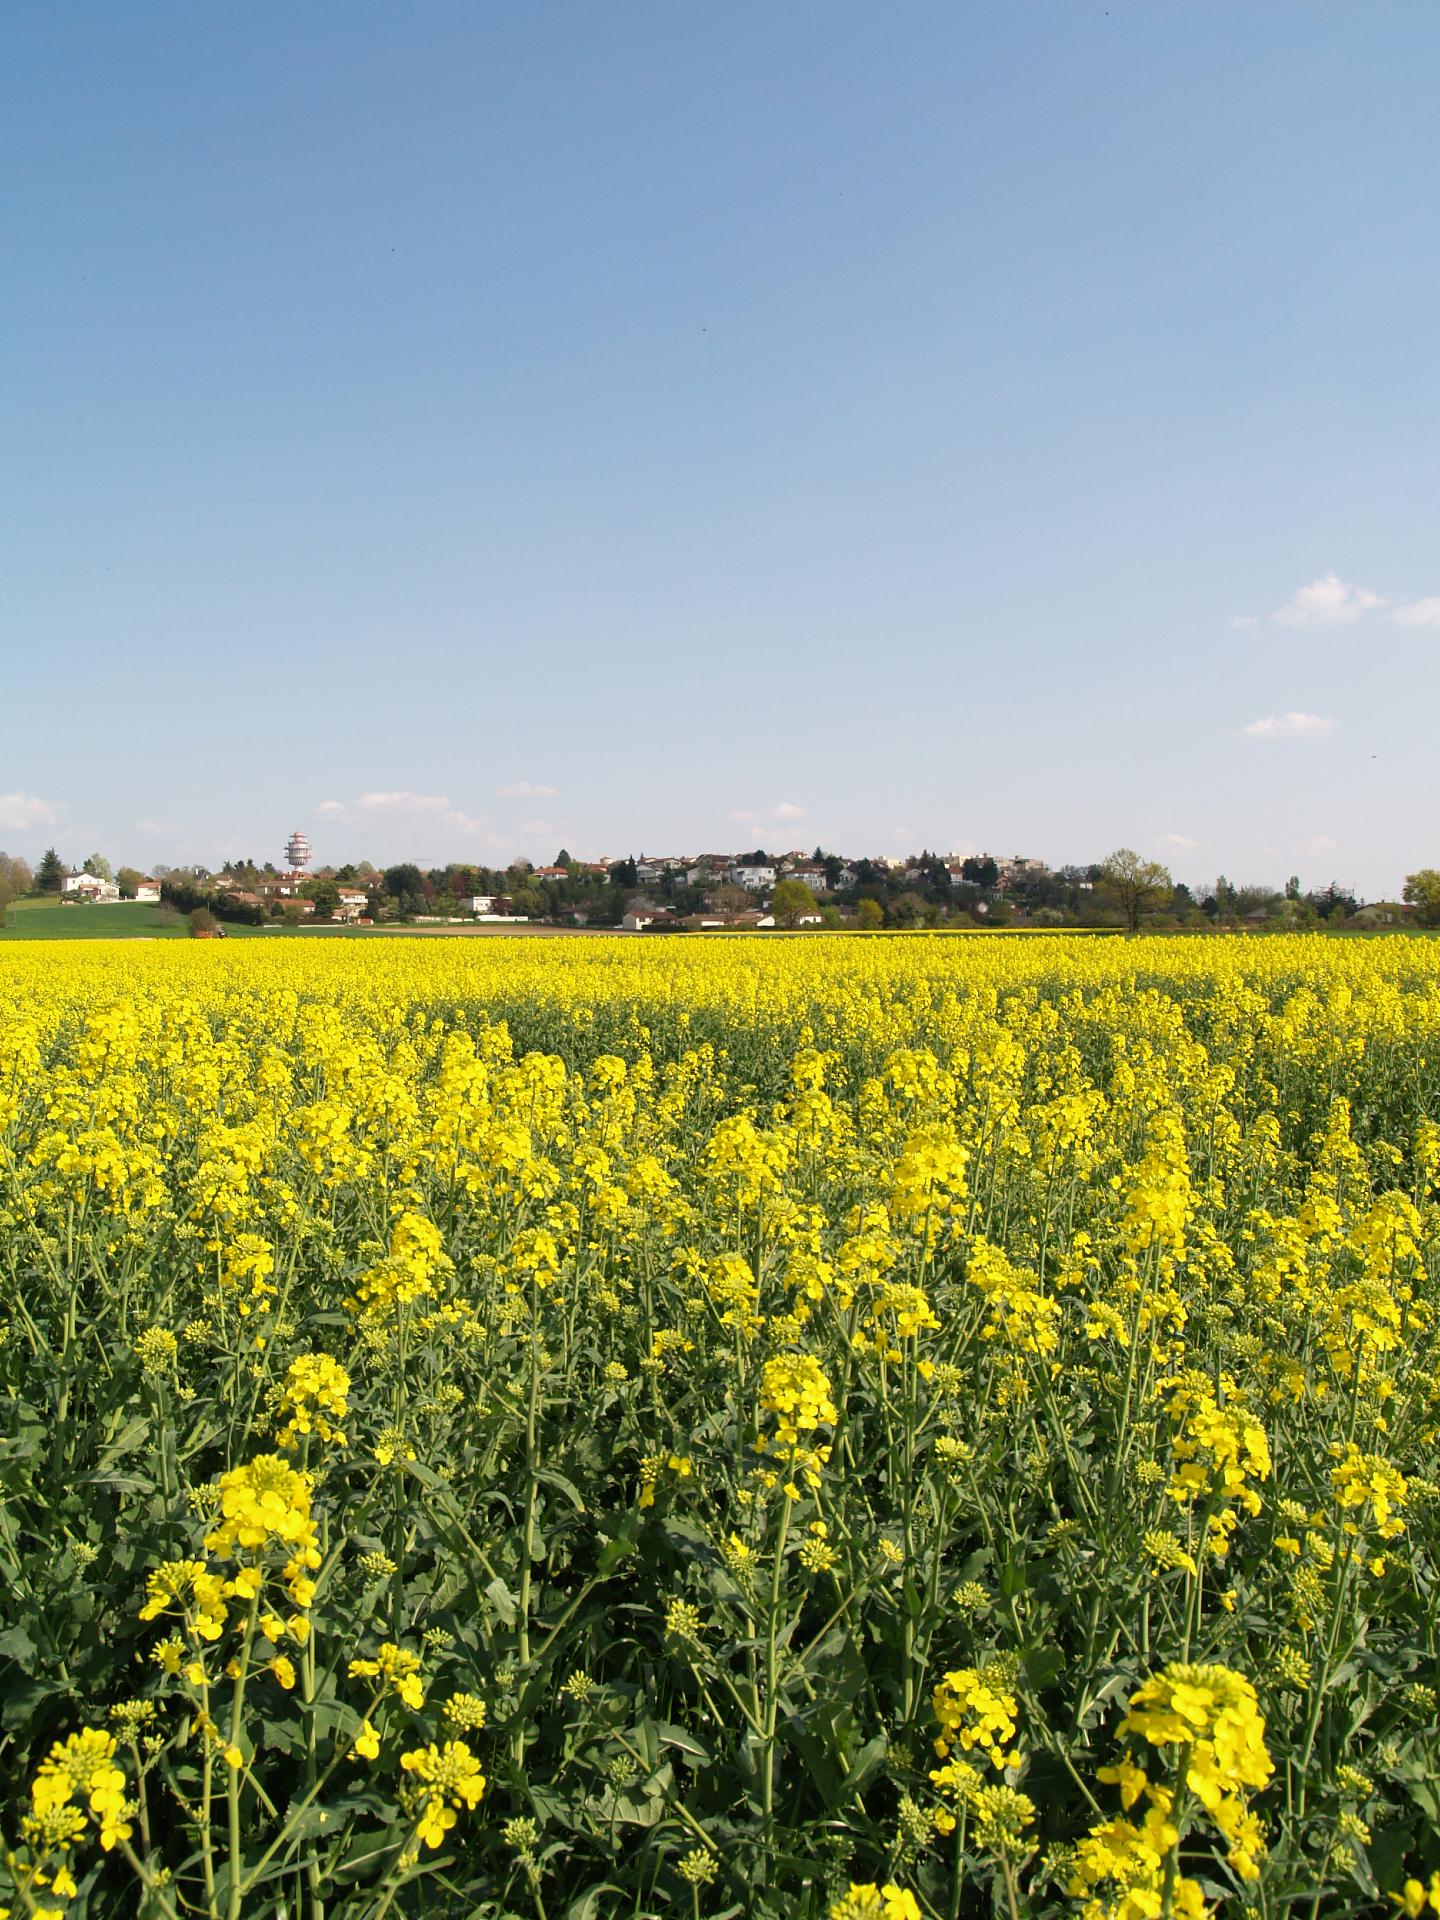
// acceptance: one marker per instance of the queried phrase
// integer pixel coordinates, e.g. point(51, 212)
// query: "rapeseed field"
point(796, 1428)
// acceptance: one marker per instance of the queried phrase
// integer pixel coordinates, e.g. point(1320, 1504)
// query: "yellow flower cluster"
point(397, 1670)
point(314, 1398)
point(77, 1786)
point(1415, 1897)
point(265, 1506)
point(447, 1781)
point(187, 1588)
point(1219, 1452)
point(976, 1716)
point(867, 1901)
point(795, 1391)
point(1211, 1716)
point(1371, 1487)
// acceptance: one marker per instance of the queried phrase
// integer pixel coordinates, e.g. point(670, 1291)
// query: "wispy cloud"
point(1419, 613)
point(147, 825)
point(545, 827)
point(1242, 620)
point(786, 810)
point(399, 807)
point(402, 803)
point(528, 790)
point(1181, 842)
point(1328, 602)
point(21, 811)
point(1289, 726)
point(1317, 843)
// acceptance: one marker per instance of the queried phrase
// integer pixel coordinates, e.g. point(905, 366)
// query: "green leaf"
point(16, 1645)
point(547, 1476)
point(683, 1742)
point(504, 1602)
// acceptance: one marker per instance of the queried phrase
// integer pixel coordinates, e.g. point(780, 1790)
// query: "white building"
point(147, 890)
point(479, 903)
point(754, 879)
point(88, 886)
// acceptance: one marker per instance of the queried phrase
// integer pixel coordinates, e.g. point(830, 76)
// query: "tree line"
point(1124, 889)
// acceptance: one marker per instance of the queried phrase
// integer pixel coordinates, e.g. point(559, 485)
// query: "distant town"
point(750, 890)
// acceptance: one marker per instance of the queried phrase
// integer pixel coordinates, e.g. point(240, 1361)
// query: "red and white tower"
point(297, 851)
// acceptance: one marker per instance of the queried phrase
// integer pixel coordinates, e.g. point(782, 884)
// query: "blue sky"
point(462, 429)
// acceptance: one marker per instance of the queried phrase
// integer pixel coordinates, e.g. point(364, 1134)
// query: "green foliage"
point(1137, 886)
point(790, 900)
point(1422, 891)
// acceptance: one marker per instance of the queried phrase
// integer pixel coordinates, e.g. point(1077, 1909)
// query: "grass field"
point(122, 920)
point(127, 920)
point(830, 1429)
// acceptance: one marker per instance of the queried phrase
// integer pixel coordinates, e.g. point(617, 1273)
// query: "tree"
point(1422, 891)
point(910, 910)
point(564, 858)
point(1135, 885)
point(15, 879)
point(203, 924)
point(325, 893)
point(869, 915)
point(98, 866)
point(51, 873)
point(128, 880)
point(728, 898)
point(981, 871)
point(790, 899)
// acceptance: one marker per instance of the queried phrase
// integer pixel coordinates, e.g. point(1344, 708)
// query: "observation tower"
point(297, 851)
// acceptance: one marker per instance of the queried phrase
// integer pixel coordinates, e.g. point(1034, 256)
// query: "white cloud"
point(401, 809)
point(528, 790)
point(1419, 613)
point(20, 811)
point(786, 810)
point(1328, 602)
point(1317, 843)
point(147, 825)
point(1289, 726)
point(402, 803)
point(1181, 842)
point(1241, 620)
point(546, 827)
